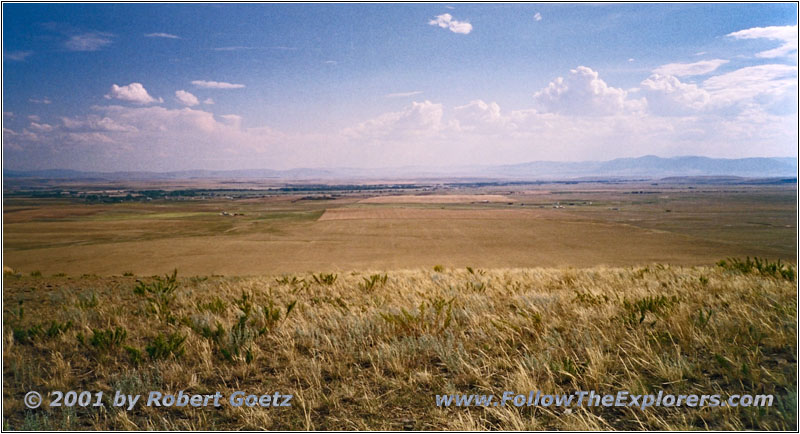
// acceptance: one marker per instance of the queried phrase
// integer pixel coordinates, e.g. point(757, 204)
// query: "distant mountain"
point(647, 167)
point(651, 166)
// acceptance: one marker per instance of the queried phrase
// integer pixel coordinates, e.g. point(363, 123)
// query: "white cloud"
point(330, 62)
point(41, 127)
point(162, 35)
point(186, 98)
point(88, 139)
point(446, 21)
point(666, 95)
point(133, 92)
point(208, 101)
point(785, 34)
point(44, 100)
point(232, 120)
point(762, 84)
point(235, 48)
point(16, 56)
point(418, 119)
point(95, 123)
point(155, 118)
point(216, 84)
point(480, 116)
point(92, 41)
point(686, 69)
point(578, 117)
point(402, 94)
point(35, 118)
point(537, 16)
point(582, 92)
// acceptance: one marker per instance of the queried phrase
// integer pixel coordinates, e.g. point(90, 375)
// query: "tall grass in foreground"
point(371, 350)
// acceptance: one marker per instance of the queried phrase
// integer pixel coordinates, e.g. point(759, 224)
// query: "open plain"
point(253, 231)
point(364, 302)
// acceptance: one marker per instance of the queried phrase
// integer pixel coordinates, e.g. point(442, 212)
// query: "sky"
point(163, 87)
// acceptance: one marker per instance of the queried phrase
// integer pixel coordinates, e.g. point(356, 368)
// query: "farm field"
point(548, 225)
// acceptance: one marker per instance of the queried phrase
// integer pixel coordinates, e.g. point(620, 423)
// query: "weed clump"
point(763, 267)
point(253, 322)
point(432, 317)
point(635, 311)
point(160, 294)
point(104, 340)
point(325, 279)
point(372, 282)
point(164, 346)
point(27, 335)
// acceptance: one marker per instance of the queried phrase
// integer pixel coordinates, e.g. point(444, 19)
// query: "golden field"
point(360, 356)
point(365, 305)
point(574, 225)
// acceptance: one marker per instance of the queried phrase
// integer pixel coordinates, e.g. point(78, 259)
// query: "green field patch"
point(291, 215)
point(149, 216)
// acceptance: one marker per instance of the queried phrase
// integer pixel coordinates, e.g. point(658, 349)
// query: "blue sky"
point(182, 86)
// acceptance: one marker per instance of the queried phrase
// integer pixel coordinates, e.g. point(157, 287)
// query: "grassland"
point(366, 303)
point(543, 225)
point(373, 356)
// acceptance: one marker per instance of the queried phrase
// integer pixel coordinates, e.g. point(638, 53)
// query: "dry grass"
point(399, 213)
point(600, 225)
point(439, 198)
point(373, 356)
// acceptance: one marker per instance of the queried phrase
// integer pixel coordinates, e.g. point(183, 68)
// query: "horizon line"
point(396, 167)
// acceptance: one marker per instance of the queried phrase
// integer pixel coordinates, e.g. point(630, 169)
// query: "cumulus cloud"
point(208, 101)
point(785, 34)
point(687, 69)
point(418, 119)
point(134, 92)
point(582, 92)
point(480, 116)
point(537, 16)
point(579, 116)
point(162, 35)
point(205, 84)
point(186, 98)
point(666, 95)
point(44, 100)
point(446, 21)
point(92, 41)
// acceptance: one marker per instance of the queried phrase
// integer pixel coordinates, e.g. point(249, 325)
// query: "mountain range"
point(647, 167)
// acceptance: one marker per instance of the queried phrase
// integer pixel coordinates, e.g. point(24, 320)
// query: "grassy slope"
point(354, 359)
